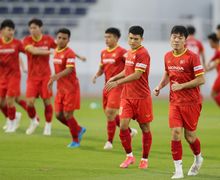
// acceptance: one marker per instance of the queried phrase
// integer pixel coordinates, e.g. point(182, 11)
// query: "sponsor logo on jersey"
point(4, 51)
point(129, 63)
point(141, 65)
point(108, 61)
point(175, 68)
point(57, 61)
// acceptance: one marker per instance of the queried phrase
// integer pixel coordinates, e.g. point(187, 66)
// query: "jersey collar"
point(38, 38)
point(178, 55)
point(7, 42)
point(110, 50)
point(61, 50)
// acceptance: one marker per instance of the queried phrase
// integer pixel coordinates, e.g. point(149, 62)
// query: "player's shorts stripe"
point(138, 69)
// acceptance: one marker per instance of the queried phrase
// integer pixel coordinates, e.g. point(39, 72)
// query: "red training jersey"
point(194, 45)
point(216, 57)
point(137, 60)
point(38, 65)
point(63, 59)
point(9, 58)
point(184, 68)
point(112, 61)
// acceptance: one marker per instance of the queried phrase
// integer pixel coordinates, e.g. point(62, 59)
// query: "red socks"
point(196, 148)
point(23, 104)
point(176, 148)
point(5, 111)
point(111, 127)
point(126, 140)
point(217, 99)
point(31, 112)
point(117, 120)
point(146, 142)
point(11, 113)
point(74, 128)
point(48, 112)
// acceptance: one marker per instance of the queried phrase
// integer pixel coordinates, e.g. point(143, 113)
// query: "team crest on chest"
point(182, 61)
point(114, 55)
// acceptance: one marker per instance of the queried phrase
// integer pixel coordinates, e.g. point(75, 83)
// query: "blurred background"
point(88, 20)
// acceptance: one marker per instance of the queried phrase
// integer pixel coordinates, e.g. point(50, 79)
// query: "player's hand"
point(82, 58)
point(94, 79)
point(50, 84)
point(176, 86)
point(156, 91)
point(110, 85)
point(110, 80)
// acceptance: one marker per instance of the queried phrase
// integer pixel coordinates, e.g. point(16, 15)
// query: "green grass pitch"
point(37, 157)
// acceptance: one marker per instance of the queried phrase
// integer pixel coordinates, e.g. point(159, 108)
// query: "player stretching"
point(136, 100)
point(184, 72)
point(112, 63)
point(37, 47)
point(68, 92)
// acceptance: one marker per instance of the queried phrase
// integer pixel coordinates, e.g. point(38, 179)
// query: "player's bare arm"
point(116, 77)
point(212, 65)
point(82, 58)
point(164, 81)
point(99, 73)
point(37, 51)
point(199, 80)
point(132, 77)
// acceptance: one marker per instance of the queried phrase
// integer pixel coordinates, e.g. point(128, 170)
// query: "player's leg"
point(34, 120)
point(111, 127)
point(191, 115)
point(11, 114)
point(146, 144)
point(60, 117)
point(126, 142)
point(176, 124)
point(74, 129)
point(48, 112)
point(4, 109)
point(21, 102)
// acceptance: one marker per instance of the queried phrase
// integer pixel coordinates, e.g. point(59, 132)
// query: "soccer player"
point(194, 44)
point(10, 75)
point(184, 72)
point(136, 100)
point(214, 63)
point(112, 63)
point(218, 31)
point(68, 92)
point(37, 46)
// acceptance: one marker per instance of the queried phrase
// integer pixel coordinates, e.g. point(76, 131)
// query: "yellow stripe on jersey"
point(110, 50)
point(138, 69)
point(69, 65)
point(178, 55)
point(199, 74)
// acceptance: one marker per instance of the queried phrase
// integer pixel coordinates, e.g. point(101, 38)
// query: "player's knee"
point(110, 114)
point(123, 126)
point(30, 102)
point(176, 134)
point(58, 116)
point(190, 138)
point(67, 115)
point(145, 127)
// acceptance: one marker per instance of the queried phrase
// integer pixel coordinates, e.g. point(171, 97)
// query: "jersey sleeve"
point(216, 56)
point(142, 62)
point(201, 48)
point(70, 59)
point(21, 47)
point(197, 66)
point(124, 54)
point(101, 60)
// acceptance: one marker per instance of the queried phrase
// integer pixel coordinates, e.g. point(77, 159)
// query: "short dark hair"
point(136, 30)
point(113, 31)
point(7, 23)
point(64, 31)
point(179, 29)
point(213, 37)
point(38, 22)
point(218, 26)
point(191, 30)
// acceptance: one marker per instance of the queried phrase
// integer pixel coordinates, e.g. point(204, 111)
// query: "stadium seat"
point(49, 10)
point(33, 10)
point(17, 10)
point(80, 11)
point(74, 1)
point(65, 11)
point(4, 10)
point(58, 1)
point(44, 1)
point(89, 1)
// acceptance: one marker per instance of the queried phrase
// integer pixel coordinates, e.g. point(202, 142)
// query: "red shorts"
point(112, 98)
point(139, 109)
point(216, 85)
point(10, 87)
point(65, 102)
point(36, 88)
point(186, 116)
